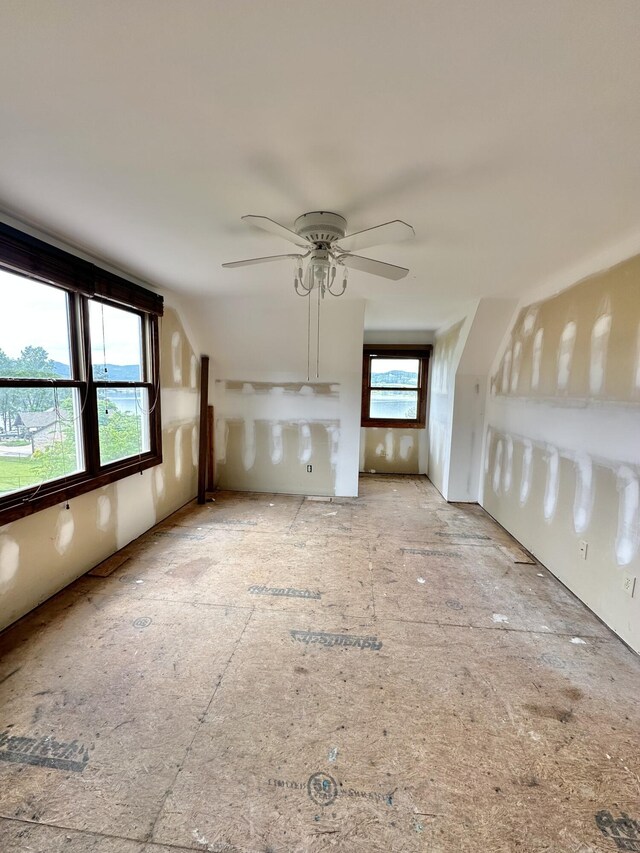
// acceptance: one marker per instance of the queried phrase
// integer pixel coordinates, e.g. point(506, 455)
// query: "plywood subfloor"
point(267, 674)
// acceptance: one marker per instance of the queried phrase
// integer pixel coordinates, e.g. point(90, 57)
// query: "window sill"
point(392, 424)
point(14, 507)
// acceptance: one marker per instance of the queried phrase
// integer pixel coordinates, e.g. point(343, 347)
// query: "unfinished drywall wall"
point(491, 321)
point(562, 458)
point(42, 553)
point(272, 423)
point(446, 355)
point(386, 450)
point(464, 354)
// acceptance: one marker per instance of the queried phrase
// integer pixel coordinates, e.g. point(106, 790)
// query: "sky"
point(46, 323)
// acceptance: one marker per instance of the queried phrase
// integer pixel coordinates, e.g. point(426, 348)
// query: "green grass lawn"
point(18, 473)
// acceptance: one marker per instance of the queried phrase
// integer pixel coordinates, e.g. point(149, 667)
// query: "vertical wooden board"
point(211, 449)
point(202, 451)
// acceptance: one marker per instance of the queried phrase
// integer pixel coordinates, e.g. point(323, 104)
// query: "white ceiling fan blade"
point(266, 260)
point(390, 232)
point(356, 262)
point(275, 228)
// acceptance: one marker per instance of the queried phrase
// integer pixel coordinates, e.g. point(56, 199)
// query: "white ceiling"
point(507, 133)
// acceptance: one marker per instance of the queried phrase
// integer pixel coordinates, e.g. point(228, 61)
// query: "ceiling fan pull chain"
point(318, 339)
point(308, 339)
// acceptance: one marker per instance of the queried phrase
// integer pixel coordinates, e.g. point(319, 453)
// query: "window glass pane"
point(39, 436)
point(402, 405)
point(34, 329)
point(116, 344)
point(123, 423)
point(401, 372)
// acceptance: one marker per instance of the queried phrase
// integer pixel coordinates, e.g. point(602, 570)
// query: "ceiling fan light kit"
point(329, 248)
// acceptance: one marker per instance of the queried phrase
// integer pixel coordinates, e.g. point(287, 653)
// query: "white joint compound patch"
point(9, 560)
point(536, 362)
point(305, 448)
point(515, 369)
point(565, 354)
point(553, 483)
point(599, 349)
point(176, 357)
point(583, 501)
point(65, 528)
point(177, 449)
point(628, 516)
point(222, 437)
point(525, 477)
point(388, 445)
point(249, 443)
point(529, 321)
point(508, 464)
point(276, 449)
point(506, 371)
point(103, 512)
point(159, 480)
point(334, 444)
point(194, 446)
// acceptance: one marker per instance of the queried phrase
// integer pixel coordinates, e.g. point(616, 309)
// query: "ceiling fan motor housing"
point(320, 226)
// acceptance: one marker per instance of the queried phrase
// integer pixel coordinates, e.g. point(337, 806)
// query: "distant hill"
point(61, 369)
point(401, 378)
point(115, 372)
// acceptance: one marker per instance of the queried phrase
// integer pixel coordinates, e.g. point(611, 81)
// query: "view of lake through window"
point(394, 388)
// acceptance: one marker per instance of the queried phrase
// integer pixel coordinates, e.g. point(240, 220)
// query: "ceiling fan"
point(323, 235)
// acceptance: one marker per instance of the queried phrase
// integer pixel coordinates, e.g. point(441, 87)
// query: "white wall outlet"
point(629, 584)
point(583, 547)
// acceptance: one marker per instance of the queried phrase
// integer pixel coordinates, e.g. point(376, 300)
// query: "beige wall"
point(393, 451)
point(562, 456)
point(271, 421)
point(44, 552)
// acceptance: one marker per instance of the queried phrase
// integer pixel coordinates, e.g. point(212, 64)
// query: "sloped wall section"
point(562, 445)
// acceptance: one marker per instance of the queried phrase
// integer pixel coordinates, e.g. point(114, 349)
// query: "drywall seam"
point(612, 433)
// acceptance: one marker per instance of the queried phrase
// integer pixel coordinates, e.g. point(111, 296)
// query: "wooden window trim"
point(419, 351)
point(32, 258)
point(28, 256)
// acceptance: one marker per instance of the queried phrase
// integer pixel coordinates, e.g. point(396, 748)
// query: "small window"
point(394, 386)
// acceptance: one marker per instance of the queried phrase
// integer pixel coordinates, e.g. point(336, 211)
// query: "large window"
point(79, 383)
point(394, 386)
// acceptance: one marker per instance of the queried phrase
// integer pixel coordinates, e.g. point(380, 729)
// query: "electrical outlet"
point(309, 469)
point(629, 584)
point(583, 547)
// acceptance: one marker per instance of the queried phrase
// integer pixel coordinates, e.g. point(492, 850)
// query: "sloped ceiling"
point(506, 133)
